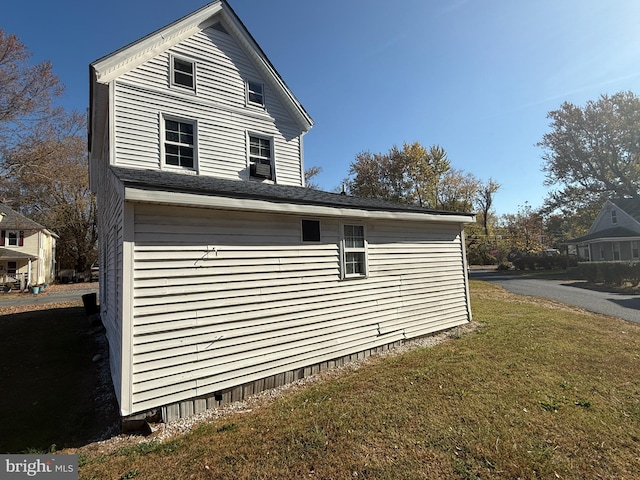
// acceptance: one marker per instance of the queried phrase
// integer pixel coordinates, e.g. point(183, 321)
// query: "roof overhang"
point(106, 69)
point(142, 195)
point(8, 254)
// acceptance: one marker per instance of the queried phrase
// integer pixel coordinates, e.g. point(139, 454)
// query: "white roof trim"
point(228, 203)
point(110, 67)
point(113, 65)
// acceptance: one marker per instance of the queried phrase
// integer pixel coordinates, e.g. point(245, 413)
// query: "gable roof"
point(109, 67)
point(609, 233)
point(12, 220)
point(280, 198)
point(631, 206)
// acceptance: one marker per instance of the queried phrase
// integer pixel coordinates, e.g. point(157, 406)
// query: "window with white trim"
point(354, 251)
point(261, 157)
point(179, 145)
point(12, 238)
point(255, 93)
point(614, 217)
point(183, 73)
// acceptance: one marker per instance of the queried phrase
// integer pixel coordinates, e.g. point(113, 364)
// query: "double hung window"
point(183, 73)
point(179, 143)
point(261, 157)
point(255, 93)
point(354, 251)
point(11, 238)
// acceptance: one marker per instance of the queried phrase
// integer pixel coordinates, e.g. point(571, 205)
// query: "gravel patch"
point(161, 432)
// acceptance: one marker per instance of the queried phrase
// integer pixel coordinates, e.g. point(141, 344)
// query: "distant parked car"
point(95, 272)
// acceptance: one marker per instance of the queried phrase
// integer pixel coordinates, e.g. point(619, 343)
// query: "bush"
point(536, 262)
point(610, 273)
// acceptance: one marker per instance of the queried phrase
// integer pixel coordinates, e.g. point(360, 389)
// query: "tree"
point(592, 152)
point(309, 176)
point(413, 174)
point(484, 200)
point(26, 91)
point(47, 180)
point(43, 161)
point(524, 230)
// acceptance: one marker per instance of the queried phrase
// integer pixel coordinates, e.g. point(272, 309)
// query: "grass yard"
point(538, 391)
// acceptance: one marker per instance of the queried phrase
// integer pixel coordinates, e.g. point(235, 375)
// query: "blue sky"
point(476, 77)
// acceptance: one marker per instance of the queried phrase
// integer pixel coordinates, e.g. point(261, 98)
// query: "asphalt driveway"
point(569, 292)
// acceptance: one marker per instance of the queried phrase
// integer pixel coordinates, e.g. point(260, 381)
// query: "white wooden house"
point(614, 234)
point(221, 274)
point(27, 250)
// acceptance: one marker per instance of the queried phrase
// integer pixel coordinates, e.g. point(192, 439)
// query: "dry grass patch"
point(538, 391)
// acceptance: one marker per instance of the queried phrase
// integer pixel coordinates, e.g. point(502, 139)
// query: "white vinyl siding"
point(222, 298)
point(220, 108)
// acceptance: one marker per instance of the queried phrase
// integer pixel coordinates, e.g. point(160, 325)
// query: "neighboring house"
point(614, 235)
point(220, 273)
point(27, 250)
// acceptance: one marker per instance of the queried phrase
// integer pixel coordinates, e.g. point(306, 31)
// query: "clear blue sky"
point(476, 77)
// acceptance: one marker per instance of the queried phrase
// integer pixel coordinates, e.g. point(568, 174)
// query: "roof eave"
point(109, 67)
point(143, 195)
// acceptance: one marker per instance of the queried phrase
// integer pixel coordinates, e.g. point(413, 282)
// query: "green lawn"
point(537, 391)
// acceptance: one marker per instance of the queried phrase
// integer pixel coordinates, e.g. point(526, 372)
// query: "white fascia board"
point(264, 206)
point(123, 60)
point(263, 64)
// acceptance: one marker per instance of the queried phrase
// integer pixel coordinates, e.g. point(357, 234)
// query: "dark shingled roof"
point(615, 232)
point(629, 205)
point(12, 220)
point(203, 185)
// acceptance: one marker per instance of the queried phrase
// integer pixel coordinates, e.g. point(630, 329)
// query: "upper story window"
point(12, 239)
point(261, 157)
point(183, 73)
point(614, 217)
point(354, 251)
point(255, 93)
point(179, 143)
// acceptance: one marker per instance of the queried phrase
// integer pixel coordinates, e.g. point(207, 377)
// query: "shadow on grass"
point(53, 395)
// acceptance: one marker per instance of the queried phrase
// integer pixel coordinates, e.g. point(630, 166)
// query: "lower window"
point(354, 251)
point(179, 143)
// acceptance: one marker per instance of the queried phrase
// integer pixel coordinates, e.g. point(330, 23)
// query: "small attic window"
point(614, 217)
point(183, 73)
point(255, 93)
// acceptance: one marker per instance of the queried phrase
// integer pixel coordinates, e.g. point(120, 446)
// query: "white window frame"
point(345, 250)
point(260, 158)
point(614, 217)
point(164, 142)
point(172, 69)
point(7, 238)
point(249, 91)
point(635, 249)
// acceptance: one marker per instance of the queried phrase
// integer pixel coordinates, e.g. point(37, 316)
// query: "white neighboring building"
point(221, 274)
point(27, 250)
